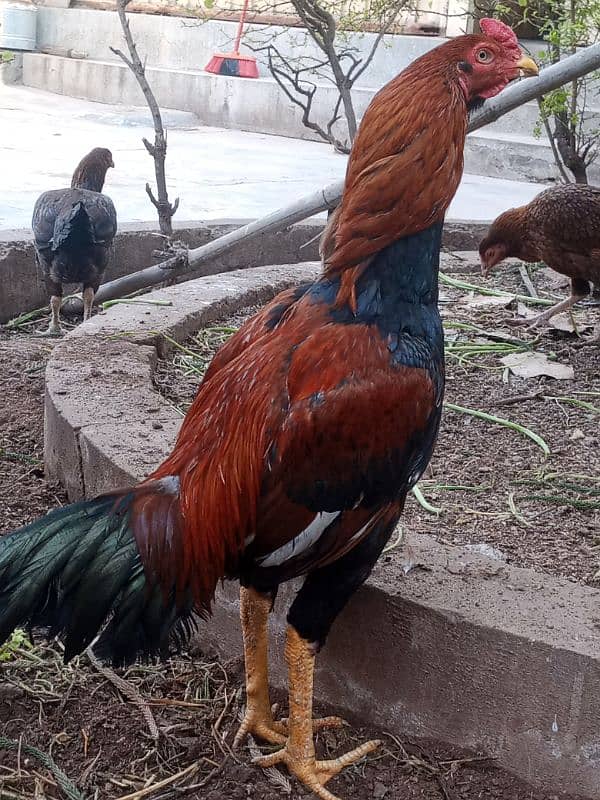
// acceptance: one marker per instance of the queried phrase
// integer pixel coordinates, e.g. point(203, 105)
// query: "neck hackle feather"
point(406, 161)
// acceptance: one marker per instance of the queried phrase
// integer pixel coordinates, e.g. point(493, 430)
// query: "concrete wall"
point(503, 150)
point(184, 44)
point(21, 287)
point(257, 105)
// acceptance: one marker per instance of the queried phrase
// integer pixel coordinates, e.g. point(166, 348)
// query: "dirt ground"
point(538, 511)
point(104, 745)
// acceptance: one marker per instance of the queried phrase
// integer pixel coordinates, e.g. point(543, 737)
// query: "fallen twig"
point(130, 692)
point(515, 511)
point(67, 786)
point(160, 784)
point(527, 281)
point(518, 398)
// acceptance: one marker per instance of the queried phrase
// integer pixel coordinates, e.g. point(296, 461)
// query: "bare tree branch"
point(158, 150)
point(344, 64)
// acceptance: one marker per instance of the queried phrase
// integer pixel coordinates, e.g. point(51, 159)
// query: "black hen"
point(73, 230)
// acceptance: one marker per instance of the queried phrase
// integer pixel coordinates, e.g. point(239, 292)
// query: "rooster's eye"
point(484, 56)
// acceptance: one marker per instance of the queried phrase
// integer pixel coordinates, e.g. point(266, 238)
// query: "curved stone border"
point(466, 650)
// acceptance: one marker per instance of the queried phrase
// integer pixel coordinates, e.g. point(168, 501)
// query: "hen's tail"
point(78, 572)
point(72, 224)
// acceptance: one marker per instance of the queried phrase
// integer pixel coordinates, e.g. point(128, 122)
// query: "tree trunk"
point(158, 150)
point(341, 82)
point(566, 143)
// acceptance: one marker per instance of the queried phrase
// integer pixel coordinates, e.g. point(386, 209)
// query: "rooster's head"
point(491, 60)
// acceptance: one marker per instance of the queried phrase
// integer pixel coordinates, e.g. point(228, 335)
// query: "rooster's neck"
point(397, 291)
point(405, 272)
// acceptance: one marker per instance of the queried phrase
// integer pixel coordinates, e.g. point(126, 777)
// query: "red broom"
point(234, 63)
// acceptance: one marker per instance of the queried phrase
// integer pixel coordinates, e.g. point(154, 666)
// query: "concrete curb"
point(464, 649)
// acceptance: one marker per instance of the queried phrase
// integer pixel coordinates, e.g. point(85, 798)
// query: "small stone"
point(380, 790)
point(576, 435)
point(157, 425)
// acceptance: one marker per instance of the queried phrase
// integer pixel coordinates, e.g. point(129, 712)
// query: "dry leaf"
point(564, 322)
point(485, 301)
point(532, 365)
point(554, 279)
point(525, 311)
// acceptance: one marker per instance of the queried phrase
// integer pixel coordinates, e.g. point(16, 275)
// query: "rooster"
point(310, 427)
point(73, 231)
point(561, 227)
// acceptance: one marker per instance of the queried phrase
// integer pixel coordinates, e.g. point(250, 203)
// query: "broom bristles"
point(233, 64)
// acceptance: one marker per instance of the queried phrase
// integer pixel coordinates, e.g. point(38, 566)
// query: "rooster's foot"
point(312, 773)
point(263, 726)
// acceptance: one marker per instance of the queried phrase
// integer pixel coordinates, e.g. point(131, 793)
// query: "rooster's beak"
point(112, 163)
point(527, 66)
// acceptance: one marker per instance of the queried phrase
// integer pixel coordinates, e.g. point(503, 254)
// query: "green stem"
point(501, 421)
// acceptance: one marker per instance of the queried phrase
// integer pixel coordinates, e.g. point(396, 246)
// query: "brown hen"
point(561, 227)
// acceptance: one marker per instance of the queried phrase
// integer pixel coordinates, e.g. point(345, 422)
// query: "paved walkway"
point(216, 173)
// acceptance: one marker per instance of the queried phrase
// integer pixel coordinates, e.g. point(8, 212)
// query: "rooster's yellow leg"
point(298, 754)
point(258, 719)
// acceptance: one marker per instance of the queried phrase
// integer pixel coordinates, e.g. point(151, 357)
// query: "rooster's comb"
point(497, 30)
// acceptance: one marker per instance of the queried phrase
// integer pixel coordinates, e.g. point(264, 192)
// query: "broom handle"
point(238, 37)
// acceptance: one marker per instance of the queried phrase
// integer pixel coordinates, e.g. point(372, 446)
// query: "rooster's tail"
point(78, 572)
point(73, 225)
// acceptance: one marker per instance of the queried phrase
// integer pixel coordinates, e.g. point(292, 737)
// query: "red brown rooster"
point(310, 427)
point(561, 227)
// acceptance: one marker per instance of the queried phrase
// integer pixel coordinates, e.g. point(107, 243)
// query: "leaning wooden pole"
point(551, 77)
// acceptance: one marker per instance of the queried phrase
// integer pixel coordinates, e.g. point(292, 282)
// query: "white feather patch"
point(302, 542)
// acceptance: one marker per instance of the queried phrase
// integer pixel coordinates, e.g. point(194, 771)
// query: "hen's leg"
point(323, 595)
point(258, 719)
point(55, 329)
point(564, 305)
point(55, 290)
point(88, 301)
point(579, 290)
